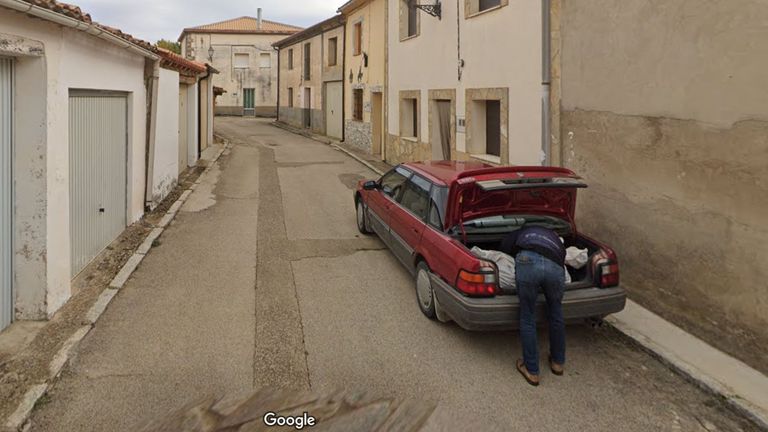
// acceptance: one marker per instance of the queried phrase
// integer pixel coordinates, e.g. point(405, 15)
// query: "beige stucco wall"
point(665, 113)
point(263, 80)
point(372, 15)
point(501, 49)
point(294, 78)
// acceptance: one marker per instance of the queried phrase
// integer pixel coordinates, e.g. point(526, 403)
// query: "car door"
point(381, 201)
point(407, 220)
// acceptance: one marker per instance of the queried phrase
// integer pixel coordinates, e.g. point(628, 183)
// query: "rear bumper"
point(503, 312)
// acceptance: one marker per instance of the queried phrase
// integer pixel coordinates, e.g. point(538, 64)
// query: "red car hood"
point(513, 190)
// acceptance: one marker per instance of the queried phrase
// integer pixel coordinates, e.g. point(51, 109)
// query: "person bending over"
point(539, 259)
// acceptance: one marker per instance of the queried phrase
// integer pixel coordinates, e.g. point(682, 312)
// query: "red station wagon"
point(430, 214)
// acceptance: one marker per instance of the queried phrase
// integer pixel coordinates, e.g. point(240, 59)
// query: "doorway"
point(307, 107)
point(333, 109)
point(249, 102)
point(377, 125)
point(441, 129)
point(98, 131)
point(6, 192)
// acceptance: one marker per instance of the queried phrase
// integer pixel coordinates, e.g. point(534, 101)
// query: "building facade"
point(241, 51)
point(667, 120)
point(467, 85)
point(311, 73)
point(365, 74)
point(89, 127)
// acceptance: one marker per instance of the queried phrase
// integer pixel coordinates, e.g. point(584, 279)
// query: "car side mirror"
point(370, 185)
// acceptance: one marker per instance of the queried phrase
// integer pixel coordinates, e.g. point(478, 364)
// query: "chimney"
point(258, 17)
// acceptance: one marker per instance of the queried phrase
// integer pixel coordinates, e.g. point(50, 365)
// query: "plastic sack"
point(576, 258)
point(504, 262)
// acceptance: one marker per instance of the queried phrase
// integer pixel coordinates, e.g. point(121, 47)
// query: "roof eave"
point(319, 28)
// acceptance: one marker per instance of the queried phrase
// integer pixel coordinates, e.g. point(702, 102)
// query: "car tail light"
point(483, 283)
point(607, 270)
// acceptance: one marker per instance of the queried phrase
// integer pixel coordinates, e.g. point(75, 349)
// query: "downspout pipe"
point(200, 110)
point(91, 29)
point(344, 86)
point(546, 83)
point(153, 84)
point(279, 72)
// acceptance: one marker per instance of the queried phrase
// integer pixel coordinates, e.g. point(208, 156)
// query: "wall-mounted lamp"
point(436, 10)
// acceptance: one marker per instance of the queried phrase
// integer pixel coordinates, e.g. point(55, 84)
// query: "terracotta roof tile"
point(75, 12)
point(245, 24)
point(174, 61)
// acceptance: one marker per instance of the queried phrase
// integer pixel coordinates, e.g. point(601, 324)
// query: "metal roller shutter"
point(97, 173)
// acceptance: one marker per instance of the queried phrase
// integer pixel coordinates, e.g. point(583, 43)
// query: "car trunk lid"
point(513, 190)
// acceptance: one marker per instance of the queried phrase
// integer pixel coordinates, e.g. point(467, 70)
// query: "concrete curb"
point(712, 370)
point(20, 417)
point(740, 401)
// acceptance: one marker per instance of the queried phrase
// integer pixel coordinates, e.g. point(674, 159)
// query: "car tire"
point(362, 218)
point(425, 296)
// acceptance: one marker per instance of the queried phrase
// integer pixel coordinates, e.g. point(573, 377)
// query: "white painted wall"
point(165, 173)
point(501, 48)
point(72, 60)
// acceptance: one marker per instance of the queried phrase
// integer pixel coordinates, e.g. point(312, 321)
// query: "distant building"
point(241, 50)
point(311, 78)
point(365, 74)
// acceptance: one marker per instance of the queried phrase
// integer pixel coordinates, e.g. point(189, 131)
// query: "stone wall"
point(400, 150)
point(358, 134)
point(664, 113)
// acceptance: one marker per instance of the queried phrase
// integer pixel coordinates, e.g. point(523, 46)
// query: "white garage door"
point(6, 197)
point(97, 173)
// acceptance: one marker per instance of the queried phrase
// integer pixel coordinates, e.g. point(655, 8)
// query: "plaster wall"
point(500, 48)
point(371, 78)
point(71, 60)
point(165, 173)
point(321, 71)
point(664, 113)
point(234, 80)
point(294, 78)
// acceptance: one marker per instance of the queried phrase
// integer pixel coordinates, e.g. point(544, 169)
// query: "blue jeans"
point(532, 272)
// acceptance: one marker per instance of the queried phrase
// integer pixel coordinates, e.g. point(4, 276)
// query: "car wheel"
point(362, 218)
point(424, 293)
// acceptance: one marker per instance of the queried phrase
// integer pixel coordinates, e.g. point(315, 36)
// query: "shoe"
point(531, 378)
point(556, 369)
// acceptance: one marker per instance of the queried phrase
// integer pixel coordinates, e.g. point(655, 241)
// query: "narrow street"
point(264, 281)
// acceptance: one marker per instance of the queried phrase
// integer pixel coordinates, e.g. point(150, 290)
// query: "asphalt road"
point(264, 281)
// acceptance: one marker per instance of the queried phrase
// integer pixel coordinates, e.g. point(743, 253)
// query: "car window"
point(392, 182)
point(438, 199)
point(416, 196)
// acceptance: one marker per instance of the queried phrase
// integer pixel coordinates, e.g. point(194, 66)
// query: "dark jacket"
point(543, 241)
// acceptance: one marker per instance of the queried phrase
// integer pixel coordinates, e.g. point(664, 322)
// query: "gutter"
point(91, 29)
point(344, 86)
